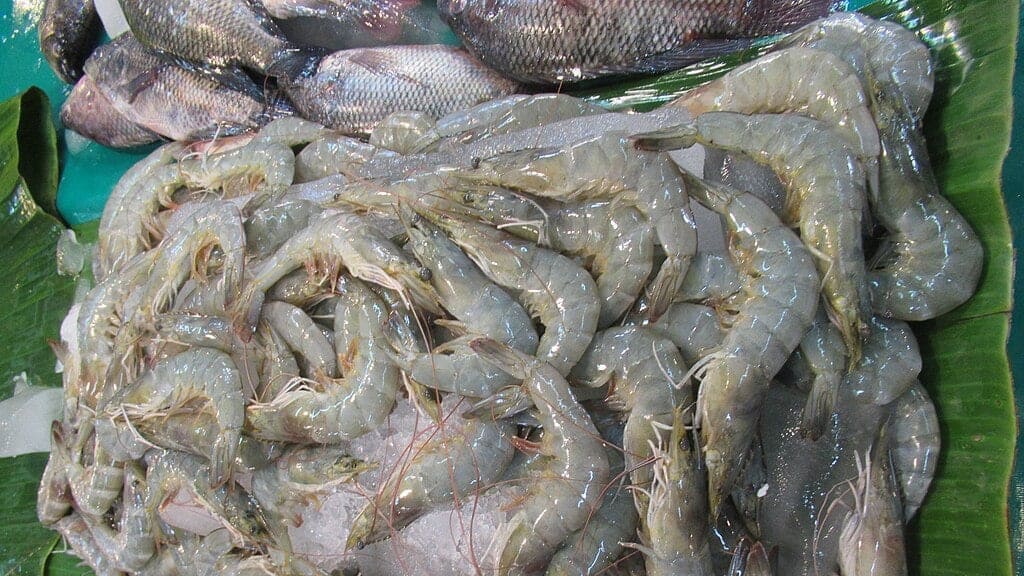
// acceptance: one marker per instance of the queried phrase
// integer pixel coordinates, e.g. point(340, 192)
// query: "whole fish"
point(217, 34)
point(90, 113)
point(553, 41)
point(68, 31)
point(352, 90)
point(172, 101)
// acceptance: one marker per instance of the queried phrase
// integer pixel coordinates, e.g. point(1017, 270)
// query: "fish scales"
point(354, 89)
point(215, 33)
point(550, 41)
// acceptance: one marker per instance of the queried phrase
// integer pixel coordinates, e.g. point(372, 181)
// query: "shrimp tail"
point(513, 362)
point(665, 286)
point(821, 402)
point(222, 458)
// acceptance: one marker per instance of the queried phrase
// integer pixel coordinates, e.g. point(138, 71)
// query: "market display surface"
point(528, 337)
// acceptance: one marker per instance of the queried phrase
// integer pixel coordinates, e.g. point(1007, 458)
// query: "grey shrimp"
point(826, 197)
point(480, 306)
point(915, 446)
point(338, 239)
point(335, 154)
point(211, 331)
point(96, 482)
point(599, 543)
point(122, 223)
point(768, 326)
point(675, 529)
point(131, 546)
point(552, 287)
point(53, 500)
point(291, 131)
point(401, 132)
point(346, 408)
point(198, 373)
point(616, 243)
point(607, 167)
point(648, 376)
point(823, 353)
point(453, 461)
point(793, 81)
point(304, 338)
point(889, 366)
point(933, 259)
point(74, 529)
point(694, 328)
point(559, 501)
point(263, 167)
point(871, 540)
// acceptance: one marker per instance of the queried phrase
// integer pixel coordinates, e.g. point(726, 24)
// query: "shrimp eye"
point(425, 274)
point(467, 197)
point(337, 196)
point(416, 218)
point(475, 162)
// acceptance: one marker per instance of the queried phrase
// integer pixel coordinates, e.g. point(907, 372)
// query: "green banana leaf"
point(963, 527)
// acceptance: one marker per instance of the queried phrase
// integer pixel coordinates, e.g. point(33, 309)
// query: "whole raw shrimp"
point(95, 475)
point(176, 331)
point(826, 197)
point(793, 81)
point(871, 541)
point(339, 239)
point(607, 167)
point(457, 458)
point(932, 260)
point(304, 338)
point(481, 307)
point(53, 500)
point(123, 222)
point(198, 374)
point(783, 294)
point(74, 529)
point(647, 376)
point(559, 501)
point(675, 529)
point(915, 446)
point(131, 545)
point(823, 354)
point(337, 410)
point(552, 287)
point(890, 365)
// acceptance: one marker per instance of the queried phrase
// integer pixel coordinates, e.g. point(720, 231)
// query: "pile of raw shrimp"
point(530, 337)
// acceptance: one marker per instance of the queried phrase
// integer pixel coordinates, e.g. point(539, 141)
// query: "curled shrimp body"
point(608, 167)
point(871, 541)
point(131, 546)
point(932, 261)
point(333, 154)
point(123, 220)
point(197, 374)
point(616, 245)
point(262, 166)
point(189, 329)
point(338, 239)
point(552, 287)
point(452, 462)
point(401, 132)
point(303, 337)
point(481, 307)
point(890, 364)
point(561, 498)
point(794, 80)
point(291, 131)
point(675, 529)
point(271, 226)
point(599, 543)
point(826, 198)
point(694, 328)
point(782, 288)
point(915, 449)
point(218, 224)
point(643, 371)
point(338, 410)
point(823, 352)
point(96, 481)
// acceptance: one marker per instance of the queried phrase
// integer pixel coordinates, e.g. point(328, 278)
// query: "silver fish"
point(217, 34)
point(381, 18)
point(172, 101)
point(68, 31)
point(352, 90)
point(90, 113)
point(552, 41)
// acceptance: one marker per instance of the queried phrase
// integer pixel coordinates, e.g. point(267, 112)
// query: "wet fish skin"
point(551, 41)
point(217, 34)
point(354, 89)
point(68, 32)
point(89, 113)
point(172, 101)
point(383, 19)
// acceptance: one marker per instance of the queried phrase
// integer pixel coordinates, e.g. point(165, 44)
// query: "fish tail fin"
point(293, 63)
point(788, 15)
